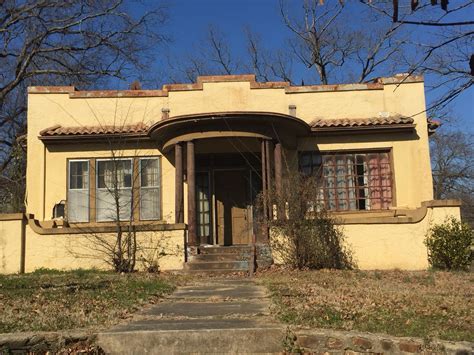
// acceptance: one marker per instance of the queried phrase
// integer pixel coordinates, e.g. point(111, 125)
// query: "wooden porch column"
point(265, 233)
point(278, 177)
point(264, 179)
point(191, 178)
point(179, 201)
point(269, 177)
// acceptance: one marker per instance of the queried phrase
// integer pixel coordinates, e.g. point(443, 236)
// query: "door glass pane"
point(203, 204)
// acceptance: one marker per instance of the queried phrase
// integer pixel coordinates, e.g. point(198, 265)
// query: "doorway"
point(233, 207)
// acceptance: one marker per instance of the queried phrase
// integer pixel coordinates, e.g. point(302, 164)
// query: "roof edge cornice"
point(376, 84)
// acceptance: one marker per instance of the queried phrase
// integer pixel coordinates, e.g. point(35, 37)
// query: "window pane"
point(149, 170)
point(78, 192)
point(78, 205)
point(107, 207)
point(149, 203)
point(150, 189)
point(114, 177)
point(78, 174)
point(114, 174)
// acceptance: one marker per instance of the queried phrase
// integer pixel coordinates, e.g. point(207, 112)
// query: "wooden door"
point(231, 191)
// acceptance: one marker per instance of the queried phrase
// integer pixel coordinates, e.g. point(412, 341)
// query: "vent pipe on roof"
point(165, 113)
point(292, 110)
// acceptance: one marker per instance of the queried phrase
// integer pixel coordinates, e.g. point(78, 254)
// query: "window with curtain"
point(114, 190)
point(352, 181)
point(78, 191)
point(150, 188)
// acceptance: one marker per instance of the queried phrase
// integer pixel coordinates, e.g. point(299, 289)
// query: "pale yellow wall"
point(10, 246)
point(392, 246)
point(67, 252)
point(375, 246)
point(411, 157)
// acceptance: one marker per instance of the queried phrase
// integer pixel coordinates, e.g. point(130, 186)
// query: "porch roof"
point(266, 125)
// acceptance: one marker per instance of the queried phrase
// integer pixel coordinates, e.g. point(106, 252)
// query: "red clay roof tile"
point(361, 122)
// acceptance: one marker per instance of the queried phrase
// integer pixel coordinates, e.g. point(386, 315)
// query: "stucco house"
point(194, 156)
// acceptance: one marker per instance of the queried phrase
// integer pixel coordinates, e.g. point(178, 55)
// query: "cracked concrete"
point(215, 316)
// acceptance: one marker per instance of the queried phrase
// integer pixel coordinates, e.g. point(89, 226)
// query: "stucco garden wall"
point(384, 243)
point(395, 246)
point(375, 244)
point(10, 243)
point(80, 250)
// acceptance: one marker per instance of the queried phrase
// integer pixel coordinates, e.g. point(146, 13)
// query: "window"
point(114, 190)
point(353, 181)
point(78, 191)
point(150, 188)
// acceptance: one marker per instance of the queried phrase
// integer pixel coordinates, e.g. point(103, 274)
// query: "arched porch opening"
point(226, 159)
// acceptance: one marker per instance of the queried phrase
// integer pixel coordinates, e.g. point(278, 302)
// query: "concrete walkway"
point(215, 316)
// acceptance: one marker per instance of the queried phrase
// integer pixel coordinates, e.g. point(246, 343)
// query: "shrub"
point(449, 245)
point(304, 236)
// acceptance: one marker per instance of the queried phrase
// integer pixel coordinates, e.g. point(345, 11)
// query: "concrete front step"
point(218, 257)
point(218, 340)
point(233, 249)
point(220, 265)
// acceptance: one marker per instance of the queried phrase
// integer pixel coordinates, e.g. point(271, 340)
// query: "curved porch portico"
point(235, 151)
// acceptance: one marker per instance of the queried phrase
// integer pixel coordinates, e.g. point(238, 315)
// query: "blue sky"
point(190, 19)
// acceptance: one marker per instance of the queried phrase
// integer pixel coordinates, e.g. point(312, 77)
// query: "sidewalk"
point(216, 316)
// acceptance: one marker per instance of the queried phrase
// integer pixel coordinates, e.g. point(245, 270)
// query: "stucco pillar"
point(179, 201)
point(191, 178)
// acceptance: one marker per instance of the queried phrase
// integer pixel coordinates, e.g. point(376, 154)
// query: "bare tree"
point(453, 169)
point(442, 43)
point(267, 65)
point(325, 40)
point(213, 55)
point(55, 42)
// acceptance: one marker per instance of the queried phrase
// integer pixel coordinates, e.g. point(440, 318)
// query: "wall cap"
point(376, 84)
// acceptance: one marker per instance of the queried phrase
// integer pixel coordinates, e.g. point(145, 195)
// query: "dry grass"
point(421, 304)
point(51, 300)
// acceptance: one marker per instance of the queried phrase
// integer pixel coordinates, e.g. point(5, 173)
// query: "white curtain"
point(149, 189)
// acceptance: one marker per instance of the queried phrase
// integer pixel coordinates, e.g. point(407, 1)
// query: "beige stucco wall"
point(10, 246)
point(46, 170)
point(394, 246)
point(390, 245)
point(73, 251)
point(66, 252)
point(375, 246)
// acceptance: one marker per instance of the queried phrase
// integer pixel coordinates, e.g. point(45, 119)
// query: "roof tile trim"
point(377, 84)
point(361, 122)
point(58, 130)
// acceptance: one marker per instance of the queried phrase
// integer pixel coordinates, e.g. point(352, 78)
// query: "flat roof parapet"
point(376, 84)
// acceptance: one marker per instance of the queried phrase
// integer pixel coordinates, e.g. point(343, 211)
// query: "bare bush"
point(303, 235)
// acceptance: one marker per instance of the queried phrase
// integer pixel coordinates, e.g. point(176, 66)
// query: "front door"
point(232, 214)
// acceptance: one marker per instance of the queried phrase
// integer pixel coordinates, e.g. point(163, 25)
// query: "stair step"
point(218, 271)
point(220, 257)
point(234, 249)
point(209, 265)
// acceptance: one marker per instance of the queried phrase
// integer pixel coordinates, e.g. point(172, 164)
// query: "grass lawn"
point(419, 304)
point(52, 300)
